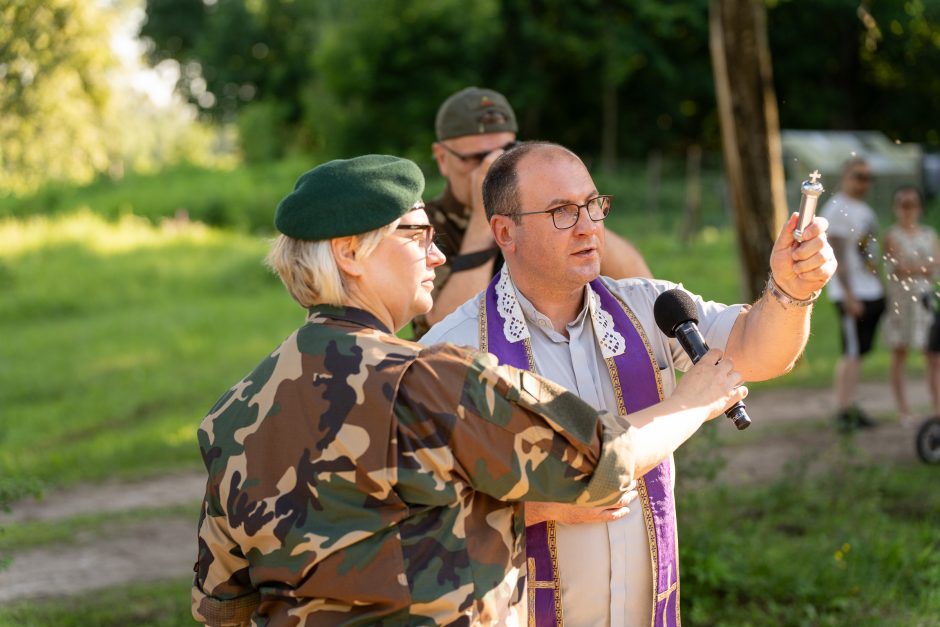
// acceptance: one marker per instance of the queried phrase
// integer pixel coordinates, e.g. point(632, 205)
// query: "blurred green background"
point(133, 223)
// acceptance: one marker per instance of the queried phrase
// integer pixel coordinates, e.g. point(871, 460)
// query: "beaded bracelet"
point(785, 299)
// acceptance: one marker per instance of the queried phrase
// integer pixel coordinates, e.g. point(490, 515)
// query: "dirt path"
point(789, 426)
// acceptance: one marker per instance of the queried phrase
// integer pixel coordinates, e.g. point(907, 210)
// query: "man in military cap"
point(473, 126)
point(358, 478)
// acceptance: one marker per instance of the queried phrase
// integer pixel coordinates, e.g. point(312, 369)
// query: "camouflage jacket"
point(358, 478)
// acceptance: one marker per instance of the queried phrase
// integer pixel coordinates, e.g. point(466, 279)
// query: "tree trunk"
point(750, 132)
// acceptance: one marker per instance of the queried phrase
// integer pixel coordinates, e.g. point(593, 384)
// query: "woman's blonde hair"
point(309, 271)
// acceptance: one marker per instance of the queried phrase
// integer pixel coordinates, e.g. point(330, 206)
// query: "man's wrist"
point(786, 299)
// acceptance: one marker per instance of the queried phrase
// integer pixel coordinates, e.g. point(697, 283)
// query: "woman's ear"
point(345, 253)
point(504, 231)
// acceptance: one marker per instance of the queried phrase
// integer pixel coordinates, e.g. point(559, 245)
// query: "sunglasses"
point(476, 157)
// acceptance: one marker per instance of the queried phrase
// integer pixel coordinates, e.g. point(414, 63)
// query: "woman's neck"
point(355, 298)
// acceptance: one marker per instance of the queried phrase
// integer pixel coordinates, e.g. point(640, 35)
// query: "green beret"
point(350, 196)
point(474, 111)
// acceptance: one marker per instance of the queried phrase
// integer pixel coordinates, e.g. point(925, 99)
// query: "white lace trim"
point(514, 326)
point(610, 340)
point(515, 329)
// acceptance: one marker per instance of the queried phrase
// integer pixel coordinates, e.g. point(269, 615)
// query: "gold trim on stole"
point(641, 484)
point(531, 582)
point(481, 330)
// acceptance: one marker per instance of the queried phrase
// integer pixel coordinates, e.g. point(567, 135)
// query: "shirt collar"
point(518, 312)
point(352, 315)
point(536, 317)
point(450, 206)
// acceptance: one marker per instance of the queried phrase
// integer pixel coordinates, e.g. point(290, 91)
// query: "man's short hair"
point(310, 273)
point(474, 111)
point(501, 185)
point(851, 163)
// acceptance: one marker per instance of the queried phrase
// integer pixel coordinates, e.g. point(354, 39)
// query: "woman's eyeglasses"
point(427, 233)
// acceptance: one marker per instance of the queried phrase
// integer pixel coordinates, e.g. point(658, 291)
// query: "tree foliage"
point(364, 75)
point(858, 64)
point(53, 91)
point(234, 53)
point(598, 75)
point(373, 53)
point(562, 62)
point(339, 77)
point(70, 109)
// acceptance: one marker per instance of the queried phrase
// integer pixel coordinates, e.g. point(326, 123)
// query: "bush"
point(261, 131)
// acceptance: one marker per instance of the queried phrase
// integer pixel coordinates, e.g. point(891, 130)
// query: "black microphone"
point(677, 317)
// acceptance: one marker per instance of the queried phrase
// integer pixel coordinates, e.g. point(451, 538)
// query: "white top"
point(604, 567)
point(856, 222)
point(907, 318)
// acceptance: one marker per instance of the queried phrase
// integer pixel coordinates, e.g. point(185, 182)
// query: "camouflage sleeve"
point(222, 594)
point(508, 433)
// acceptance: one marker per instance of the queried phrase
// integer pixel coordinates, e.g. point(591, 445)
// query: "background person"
point(358, 478)
point(549, 311)
point(856, 289)
point(912, 258)
point(473, 126)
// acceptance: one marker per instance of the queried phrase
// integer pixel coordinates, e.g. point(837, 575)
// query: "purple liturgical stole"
point(636, 386)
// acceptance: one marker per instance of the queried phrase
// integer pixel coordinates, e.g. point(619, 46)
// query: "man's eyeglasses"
point(475, 157)
point(566, 216)
point(427, 233)
point(863, 177)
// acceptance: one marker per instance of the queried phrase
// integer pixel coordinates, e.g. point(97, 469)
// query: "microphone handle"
point(694, 344)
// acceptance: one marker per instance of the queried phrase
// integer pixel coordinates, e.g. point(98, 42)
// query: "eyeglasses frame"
point(477, 156)
point(553, 210)
point(428, 229)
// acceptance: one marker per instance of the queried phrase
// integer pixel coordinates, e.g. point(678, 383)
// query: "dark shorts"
point(858, 334)
point(933, 340)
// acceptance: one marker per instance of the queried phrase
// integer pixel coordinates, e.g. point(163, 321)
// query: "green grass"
point(155, 604)
point(242, 199)
point(859, 546)
point(119, 336)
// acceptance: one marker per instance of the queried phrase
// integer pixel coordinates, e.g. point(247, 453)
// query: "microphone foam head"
point(672, 308)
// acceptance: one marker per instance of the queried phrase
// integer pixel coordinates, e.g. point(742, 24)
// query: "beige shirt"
point(605, 571)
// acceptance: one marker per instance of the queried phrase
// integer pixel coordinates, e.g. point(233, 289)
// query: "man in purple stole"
point(549, 311)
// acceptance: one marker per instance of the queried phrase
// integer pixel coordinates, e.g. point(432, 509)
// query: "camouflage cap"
point(350, 196)
point(474, 111)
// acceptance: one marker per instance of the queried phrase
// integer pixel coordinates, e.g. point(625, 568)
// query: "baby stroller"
point(928, 435)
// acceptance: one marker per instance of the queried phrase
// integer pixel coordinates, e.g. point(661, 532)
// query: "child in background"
point(913, 259)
